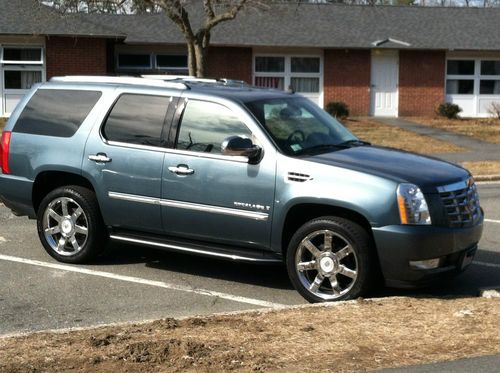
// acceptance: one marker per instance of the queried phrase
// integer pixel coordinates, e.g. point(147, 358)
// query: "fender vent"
point(298, 177)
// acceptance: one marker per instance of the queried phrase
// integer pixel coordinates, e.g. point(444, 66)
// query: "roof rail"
point(120, 80)
point(193, 79)
point(180, 78)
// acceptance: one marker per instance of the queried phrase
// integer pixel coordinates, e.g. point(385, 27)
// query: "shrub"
point(337, 109)
point(494, 109)
point(448, 110)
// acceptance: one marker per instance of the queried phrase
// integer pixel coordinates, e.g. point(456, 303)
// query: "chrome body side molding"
point(261, 216)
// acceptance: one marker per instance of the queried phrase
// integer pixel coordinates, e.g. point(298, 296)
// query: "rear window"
point(56, 112)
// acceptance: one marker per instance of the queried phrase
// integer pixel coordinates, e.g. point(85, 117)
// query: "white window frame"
point(476, 96)
point(162, 68)
point(18, 66)
point(13, 62)
point(288, 74)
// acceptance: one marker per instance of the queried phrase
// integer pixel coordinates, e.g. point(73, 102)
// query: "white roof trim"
point(378, 43)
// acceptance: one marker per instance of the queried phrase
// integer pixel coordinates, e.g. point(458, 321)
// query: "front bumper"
point(397, 245)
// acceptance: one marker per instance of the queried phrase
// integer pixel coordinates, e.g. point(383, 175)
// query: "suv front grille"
point(462, 205)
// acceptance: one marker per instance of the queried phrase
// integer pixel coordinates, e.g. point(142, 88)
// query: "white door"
point(384, 83)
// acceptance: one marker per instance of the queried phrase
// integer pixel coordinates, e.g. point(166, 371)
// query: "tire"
point(70, 225)
point(344, 269)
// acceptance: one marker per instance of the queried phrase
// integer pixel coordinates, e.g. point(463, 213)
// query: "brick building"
point(381, 61)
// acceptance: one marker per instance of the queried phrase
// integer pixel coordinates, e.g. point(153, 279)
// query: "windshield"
point(298, 126)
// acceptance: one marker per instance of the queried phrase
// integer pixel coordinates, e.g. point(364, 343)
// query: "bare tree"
point(198, 40)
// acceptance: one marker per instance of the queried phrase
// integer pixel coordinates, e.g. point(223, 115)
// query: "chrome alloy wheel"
point(326, 264)
point(65, 226)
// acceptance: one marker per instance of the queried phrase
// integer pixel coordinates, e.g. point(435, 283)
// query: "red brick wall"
point(347, 79)
point(75, 56)
point(231, 63)
point(421, 82)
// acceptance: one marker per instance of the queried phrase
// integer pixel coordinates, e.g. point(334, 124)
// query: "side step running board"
point(196, 249)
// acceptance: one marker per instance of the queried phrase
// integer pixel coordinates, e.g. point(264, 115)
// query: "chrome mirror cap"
point(241, 146)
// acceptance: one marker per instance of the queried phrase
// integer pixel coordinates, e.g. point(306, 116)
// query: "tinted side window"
point(56, 112)
point(137, 119)
point(205, 125)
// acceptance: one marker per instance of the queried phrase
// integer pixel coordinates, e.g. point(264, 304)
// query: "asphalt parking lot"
point(136, 283)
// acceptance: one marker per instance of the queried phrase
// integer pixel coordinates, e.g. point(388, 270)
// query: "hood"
point(396, 165)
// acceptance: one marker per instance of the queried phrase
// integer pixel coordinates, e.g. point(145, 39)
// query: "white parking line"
point(137, 280)
point(484, 264)
point(492, 221)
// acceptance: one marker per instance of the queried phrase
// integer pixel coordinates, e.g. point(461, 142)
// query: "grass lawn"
point(483, 167)
point(385, 135)
point(486, 129)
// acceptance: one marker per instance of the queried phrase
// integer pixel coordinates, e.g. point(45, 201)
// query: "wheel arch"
point(46, 181)
point(299, 214)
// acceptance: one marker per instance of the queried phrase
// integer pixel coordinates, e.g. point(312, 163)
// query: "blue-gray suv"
point(234, 172)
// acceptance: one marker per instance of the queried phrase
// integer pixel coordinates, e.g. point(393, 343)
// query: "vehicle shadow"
point(272, 276)
point(468, 283)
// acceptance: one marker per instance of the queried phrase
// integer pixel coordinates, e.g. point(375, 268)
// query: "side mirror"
point(241, 146)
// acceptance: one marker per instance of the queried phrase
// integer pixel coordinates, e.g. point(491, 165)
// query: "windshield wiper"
point(356, 142)
point(320, 148)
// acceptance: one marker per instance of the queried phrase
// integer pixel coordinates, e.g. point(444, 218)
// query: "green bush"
point(337, 109)
point(448, 110)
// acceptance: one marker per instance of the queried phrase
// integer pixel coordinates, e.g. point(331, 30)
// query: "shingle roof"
point(27, 17)
point(307, 25)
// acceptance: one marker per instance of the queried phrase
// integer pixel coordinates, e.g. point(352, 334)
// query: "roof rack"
point(193, 79)
point(179, 84)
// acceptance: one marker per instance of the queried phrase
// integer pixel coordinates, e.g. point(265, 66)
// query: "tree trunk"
point(201, 60)
point(192, 66)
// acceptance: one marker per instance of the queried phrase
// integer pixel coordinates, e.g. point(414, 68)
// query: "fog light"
point(425, 264)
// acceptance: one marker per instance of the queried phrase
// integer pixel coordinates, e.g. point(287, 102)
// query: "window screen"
point(206, 125)
point(137, 119)
point(56, 112)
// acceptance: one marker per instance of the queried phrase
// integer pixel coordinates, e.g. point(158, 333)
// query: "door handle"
point(181, 169)
point(99, 158)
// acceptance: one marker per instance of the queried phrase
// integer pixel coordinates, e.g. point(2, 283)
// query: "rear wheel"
point(330, 259)
point(70, 225)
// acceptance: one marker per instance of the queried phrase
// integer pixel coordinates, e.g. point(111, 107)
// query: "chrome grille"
point(462, 205)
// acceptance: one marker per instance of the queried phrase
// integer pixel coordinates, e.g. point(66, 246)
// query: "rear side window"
point(56, 112)
point(137, 119)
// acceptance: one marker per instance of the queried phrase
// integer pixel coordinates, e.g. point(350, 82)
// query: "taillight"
point(4, 151)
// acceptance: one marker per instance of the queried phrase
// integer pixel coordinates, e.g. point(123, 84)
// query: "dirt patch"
point(2, 123)
point(357, 336)
point(486, 129)
point(393, 137)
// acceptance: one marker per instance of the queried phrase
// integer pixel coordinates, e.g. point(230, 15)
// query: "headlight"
point(412, 205)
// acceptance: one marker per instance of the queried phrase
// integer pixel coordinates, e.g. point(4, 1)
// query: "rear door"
point(125, 159)
point(213, 197)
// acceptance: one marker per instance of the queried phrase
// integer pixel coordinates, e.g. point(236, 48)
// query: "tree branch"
point(229, 15)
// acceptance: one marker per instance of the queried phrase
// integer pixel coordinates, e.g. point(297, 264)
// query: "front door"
point(384, 83)
point(208, 196)
point(125, 160)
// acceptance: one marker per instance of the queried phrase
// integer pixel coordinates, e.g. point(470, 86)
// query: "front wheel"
point(329, 259)
point(70, 225)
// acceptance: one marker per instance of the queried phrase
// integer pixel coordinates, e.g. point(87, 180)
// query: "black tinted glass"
point(305, 65)
point(134, 60)
point(460, 67)
point(490, 67)
point(22, 54)
point(460, 87)
point(206, 125)
point(269, 64)
point(58, 113)
point(172, 61)
point(137, 119)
